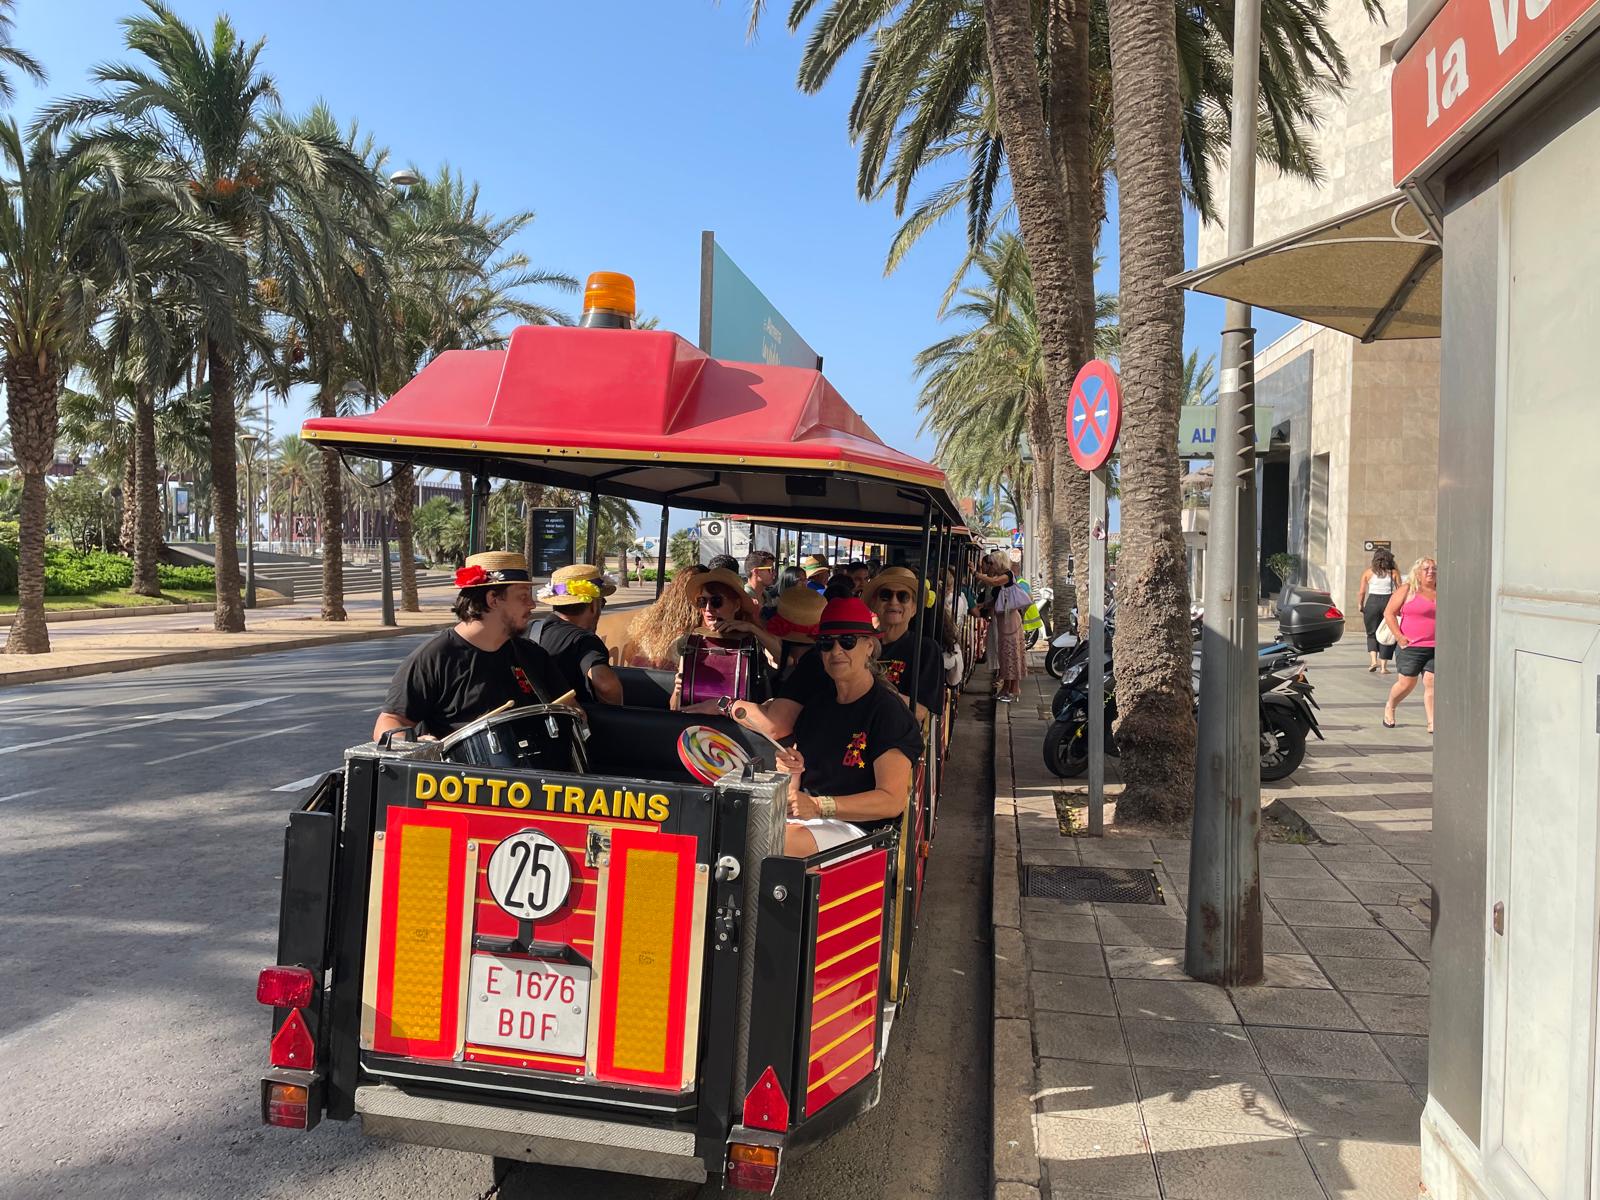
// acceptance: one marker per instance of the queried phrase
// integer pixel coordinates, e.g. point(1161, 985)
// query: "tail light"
point(291, 1100)
point(1333, 614)
point(286, 987)
point(752, 1168)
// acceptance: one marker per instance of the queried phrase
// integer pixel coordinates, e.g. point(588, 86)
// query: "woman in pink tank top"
point(1412, 614)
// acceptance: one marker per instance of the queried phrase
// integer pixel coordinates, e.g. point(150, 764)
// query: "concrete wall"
point(1352, 141)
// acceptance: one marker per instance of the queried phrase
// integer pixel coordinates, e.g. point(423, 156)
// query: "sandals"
point(1373, 669)
point(1388, 718)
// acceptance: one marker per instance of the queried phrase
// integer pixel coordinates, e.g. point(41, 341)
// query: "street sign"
point(1372, 544)
point(1094, 415)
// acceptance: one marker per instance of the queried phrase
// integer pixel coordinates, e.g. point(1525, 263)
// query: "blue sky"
point(628, 128)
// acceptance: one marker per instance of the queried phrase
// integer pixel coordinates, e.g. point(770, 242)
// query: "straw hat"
point(813, 563)
point(492, 568)
point(900, 579)
point(730, 583)
point(799, 610)
point(847, 615)
point(579, 584)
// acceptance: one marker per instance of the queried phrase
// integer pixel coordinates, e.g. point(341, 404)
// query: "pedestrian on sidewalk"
point(1005, 637)
point(1410, 615)
point(1379, 582)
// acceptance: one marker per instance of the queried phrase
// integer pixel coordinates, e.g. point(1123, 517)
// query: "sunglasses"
point(889, 594)
point(847, 642)
point(710, 600)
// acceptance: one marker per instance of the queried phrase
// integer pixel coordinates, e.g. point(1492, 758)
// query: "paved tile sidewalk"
point(1117, 1076)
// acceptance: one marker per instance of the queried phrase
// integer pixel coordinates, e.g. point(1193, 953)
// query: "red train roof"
point(640, 413)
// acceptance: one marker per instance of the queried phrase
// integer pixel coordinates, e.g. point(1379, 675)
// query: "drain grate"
point(1105, 885)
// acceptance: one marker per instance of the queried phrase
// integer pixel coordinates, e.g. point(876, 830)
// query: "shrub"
point(8, 557)
point(69, 572)
point(198, 579)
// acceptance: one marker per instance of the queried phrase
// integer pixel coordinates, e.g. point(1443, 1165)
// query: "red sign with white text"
point(1473, 54)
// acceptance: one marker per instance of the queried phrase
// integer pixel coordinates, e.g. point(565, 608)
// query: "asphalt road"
point(141, 820)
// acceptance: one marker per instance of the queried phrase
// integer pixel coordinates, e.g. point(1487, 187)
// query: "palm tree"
point(204, 105)
point(296, 474)
point(72, 225)
point(1199, 384)
point(1155, 703)
point(13, 57)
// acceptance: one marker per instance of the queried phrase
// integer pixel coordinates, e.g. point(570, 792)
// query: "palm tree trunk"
point(332, 519)
point(532, 498)
point(1155, 730)
point(128, 530)
point(1043, 215)
point(229, 617)
point(146, 502)
point(33, 390)
point(1044, 459)
point(404, 507)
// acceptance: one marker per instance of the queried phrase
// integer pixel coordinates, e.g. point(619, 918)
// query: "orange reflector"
point(764, 1156)
point(609, 291)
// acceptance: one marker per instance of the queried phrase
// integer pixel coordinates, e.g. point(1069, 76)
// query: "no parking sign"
point(1094, 415)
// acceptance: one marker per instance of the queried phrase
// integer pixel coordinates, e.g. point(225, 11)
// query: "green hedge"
point(70, 572)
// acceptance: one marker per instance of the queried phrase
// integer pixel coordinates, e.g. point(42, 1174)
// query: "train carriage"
point(544, 938)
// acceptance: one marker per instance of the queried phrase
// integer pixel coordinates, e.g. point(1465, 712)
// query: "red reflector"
point(288, 1105)
point(751, 1177)
point(1333, 614)
point(285, 987)
point(292, 1045)
point(766, 1107)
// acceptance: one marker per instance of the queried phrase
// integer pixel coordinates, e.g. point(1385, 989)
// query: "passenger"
point(859, 575)
point(794, 624)
point(724, 562)
point(475, 667)
point(839, 587)
point(576, 596)
point(653, 634)
point(725, 611)
point(791, 576)
point(816, 568)
point(854, 744)
point(760, 572)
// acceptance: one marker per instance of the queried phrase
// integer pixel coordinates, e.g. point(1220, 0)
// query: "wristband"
point(827, 805)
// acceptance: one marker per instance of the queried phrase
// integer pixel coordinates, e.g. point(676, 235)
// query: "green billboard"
point(738, 322)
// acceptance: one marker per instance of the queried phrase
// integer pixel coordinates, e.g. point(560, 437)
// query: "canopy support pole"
point(593, 541)
point(475, 506)
point(916, 603)
point(661, 552)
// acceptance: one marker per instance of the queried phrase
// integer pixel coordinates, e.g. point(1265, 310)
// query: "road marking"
point(145, 722)
point(300, 785)
point(231, 742)
point(20, 795)
point(61, 712)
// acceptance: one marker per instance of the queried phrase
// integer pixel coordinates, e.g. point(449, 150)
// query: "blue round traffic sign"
point(1094, 415)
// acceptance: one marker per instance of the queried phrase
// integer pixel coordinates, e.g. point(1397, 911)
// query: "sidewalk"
point(1117, 1076)
point(104, 645)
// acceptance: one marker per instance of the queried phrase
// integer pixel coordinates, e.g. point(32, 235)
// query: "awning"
point(1373, 273)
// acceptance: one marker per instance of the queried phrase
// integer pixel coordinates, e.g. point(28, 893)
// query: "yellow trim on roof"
point(524, 451)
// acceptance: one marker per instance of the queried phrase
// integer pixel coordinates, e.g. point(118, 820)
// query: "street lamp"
point(405, 178)
point(250, 440)
point(385, 575)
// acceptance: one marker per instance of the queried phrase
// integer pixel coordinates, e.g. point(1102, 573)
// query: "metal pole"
point(1096, 727)
point(593, 540)
point(916, 606)
point(661, 552)
point(1224, 935)
point(475, 506)
point(250, 540)
point(386, 573)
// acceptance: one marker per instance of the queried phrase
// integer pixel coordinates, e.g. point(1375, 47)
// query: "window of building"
point(1317, 519)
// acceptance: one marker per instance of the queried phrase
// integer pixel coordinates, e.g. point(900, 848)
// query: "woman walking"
point(1005, 638)
point(1378, 584)
point(1410, 614)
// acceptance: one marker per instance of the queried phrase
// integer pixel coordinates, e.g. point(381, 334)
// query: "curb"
point(1014, 1170)
point(177, 657)
point(143, 610)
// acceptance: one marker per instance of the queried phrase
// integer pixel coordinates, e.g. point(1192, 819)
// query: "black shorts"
point(1414, 660)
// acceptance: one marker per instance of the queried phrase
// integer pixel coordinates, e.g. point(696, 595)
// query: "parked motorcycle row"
point(1308, 622)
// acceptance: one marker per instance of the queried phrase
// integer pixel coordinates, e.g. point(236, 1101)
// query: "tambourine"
point(708, 754)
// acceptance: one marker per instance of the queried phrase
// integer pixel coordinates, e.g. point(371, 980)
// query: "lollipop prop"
point(708, 754)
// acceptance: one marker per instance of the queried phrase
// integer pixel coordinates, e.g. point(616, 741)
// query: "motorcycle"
point(1286, 710)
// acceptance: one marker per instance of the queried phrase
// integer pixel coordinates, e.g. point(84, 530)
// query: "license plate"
point(526, 1004)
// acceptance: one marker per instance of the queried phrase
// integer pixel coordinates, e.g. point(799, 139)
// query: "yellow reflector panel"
point(643, 964)
point(422, 919)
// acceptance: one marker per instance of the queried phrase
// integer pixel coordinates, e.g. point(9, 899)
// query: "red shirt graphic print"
point(854, 751)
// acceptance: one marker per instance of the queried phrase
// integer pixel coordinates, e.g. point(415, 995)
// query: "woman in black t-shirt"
point(854, 745)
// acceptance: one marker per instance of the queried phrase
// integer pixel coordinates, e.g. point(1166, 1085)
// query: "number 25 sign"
point(529, 875)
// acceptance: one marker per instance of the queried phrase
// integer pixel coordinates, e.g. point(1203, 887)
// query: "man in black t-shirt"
point(469, 670)
point(576, 595)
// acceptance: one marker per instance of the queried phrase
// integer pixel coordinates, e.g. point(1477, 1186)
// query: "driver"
point(479, 664)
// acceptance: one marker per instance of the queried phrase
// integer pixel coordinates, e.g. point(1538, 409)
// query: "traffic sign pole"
point(1094, 418)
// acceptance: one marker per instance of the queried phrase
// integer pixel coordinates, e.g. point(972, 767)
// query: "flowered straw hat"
point(492, 569)
point(581, 583)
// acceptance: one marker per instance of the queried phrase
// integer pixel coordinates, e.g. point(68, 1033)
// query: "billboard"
point(555, 542)
point(738, 322)
point(718, 535)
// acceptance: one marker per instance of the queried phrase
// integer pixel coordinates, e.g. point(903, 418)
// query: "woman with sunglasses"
point(725, 611)
point(893, 597)
point(854, 745)
point(1411, 615)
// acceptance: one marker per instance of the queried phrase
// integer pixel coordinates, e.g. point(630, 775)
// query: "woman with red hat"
point(854, 744)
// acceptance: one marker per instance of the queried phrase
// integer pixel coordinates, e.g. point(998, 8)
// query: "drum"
point(715, 667)
point(534, 737)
